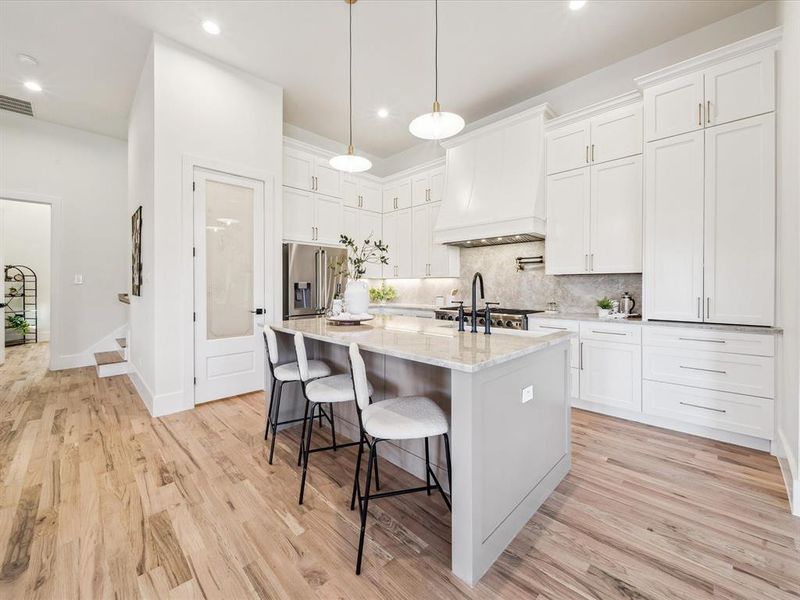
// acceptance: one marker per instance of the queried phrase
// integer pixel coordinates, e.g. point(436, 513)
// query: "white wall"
point(612, 80)
point(88, 173)
point(26, 241)
point(201, 108)
point(788, 413)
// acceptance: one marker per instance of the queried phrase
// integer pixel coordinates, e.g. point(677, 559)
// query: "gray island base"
point(507, 397)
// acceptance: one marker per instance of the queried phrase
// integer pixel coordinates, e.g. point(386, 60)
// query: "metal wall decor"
point(136, 252)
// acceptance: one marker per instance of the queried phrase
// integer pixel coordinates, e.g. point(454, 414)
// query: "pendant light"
point(436, 125)
point(351, 162)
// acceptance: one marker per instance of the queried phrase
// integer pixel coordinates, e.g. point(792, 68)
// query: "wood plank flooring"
point(98, 500)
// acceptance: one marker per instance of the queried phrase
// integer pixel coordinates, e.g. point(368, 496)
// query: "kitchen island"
point(507, 397)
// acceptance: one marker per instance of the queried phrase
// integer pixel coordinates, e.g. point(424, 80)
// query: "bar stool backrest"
point(359, 372)
point(272, 344)
point(302, 357)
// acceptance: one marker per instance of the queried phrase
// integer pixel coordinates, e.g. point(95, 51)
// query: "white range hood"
point(495, 183)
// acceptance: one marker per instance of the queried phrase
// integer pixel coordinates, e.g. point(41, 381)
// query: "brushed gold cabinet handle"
point(700, 114)
point(708, 111)
point(587, 154)
point(592, 152)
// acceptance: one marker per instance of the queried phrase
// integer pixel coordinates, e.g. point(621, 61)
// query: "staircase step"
point(123, 343)
point(108, 358)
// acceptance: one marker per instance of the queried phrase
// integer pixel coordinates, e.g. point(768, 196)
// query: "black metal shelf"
point(20, 295)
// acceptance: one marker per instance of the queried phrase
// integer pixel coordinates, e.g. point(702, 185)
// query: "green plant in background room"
point(383, 294)
point(18, 323)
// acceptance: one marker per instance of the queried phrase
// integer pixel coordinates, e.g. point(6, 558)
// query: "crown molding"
point(627, 99)
point(760, 41)
point(411, 171)
point(543, 110)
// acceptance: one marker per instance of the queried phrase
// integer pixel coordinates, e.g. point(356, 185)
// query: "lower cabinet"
point(611, 374)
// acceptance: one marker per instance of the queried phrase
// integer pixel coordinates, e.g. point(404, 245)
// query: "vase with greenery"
point(356, 295)
point(18, 323)
point(383, 294)
point(604, 306)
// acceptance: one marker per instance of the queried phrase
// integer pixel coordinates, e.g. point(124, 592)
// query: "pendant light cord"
point(351, 74)
point(436, 53)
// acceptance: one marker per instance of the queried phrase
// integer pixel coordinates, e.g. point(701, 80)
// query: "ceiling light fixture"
point(350, 162)
point(211, 28)
point(436, 125)
point(577, 4)
point(383, 113)
point(27, 59)
point(33, 86)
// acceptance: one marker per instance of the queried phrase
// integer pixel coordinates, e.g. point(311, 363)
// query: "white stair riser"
point(110, 370)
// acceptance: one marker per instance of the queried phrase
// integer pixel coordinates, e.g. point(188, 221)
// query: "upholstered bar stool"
point(280, 374)
point(404, 418)
point(334, 389)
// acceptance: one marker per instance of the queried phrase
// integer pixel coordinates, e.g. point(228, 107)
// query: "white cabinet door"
point(568, 147)
point(389, 197)
point(616, 216)
point(298, 215)
point(350, 222)
point(673, 231)
point(404, 194)
point(404, 243)
point(420, 186)
point(740, 222)
point(328, 219)
point(370, 226)
point(370, 196)
point(567, 241)
point(329, 180)
point(421, 241)
point(674, 107)
point(298, 169)
point(392, 240)
point(350, 191)
point(445, 261)
point(436, 185)
point(741, 87)
point(616, 134)
point(611, 374)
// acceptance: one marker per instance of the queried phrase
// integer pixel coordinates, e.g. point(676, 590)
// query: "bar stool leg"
point(269, 410)
point(303, 435)
point(377, 473)
point(356, 482)
point(427, 468)
point(364, 507)
point(447, 458)
point(306, 449)
point(333, 425)
point(277, 401)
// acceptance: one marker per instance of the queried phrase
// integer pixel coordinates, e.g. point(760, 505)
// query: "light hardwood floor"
point(99, 500)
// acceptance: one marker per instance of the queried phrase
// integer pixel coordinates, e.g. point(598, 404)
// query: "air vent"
point(16, 105)
point(497, 241)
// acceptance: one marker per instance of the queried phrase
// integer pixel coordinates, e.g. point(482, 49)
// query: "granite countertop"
point(423, 340)
point(405, 305)
point(638, 321)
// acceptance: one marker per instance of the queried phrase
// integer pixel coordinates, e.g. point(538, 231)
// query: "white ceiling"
point(492, 54)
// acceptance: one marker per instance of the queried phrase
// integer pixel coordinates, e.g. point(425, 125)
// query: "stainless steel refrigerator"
point(309, 279)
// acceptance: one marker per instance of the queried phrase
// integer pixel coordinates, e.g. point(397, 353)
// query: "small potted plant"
point(356, 294)
point(382, 294)
point(604, 305)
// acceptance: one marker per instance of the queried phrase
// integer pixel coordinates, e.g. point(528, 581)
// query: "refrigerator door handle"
point(323, 298)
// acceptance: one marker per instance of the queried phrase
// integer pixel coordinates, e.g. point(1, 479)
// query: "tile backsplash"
point(530, 288)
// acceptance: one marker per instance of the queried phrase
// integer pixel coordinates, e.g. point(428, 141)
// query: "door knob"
point(259, 311)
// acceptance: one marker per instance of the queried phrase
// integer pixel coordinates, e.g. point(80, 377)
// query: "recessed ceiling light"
point(577, 4)
point(27, 59)
point(383, 113)
point(211, 28)
point(33, 86)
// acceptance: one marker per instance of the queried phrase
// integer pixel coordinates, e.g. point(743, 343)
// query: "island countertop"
point(426, 340)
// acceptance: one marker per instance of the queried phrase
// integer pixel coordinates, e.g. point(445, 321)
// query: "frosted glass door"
point(229, 285)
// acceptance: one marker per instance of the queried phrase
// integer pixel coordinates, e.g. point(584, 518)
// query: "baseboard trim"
point(141, 388)
point(791, 479)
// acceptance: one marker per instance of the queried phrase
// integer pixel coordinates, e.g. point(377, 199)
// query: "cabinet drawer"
point(721, 410)
point(555, 325)
point(689, 338)
point(622, 333)
point(736, 373)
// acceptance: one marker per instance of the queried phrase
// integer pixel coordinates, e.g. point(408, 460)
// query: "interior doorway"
point(26, 260)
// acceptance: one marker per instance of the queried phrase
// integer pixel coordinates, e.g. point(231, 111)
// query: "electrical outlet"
point(527, 394)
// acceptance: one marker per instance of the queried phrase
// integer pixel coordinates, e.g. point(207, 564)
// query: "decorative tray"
point(348, 319)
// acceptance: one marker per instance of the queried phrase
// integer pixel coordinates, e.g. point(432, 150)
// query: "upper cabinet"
point(428, 258)
point(727, 91)
point(610, 135)
point(361, 193)
point(397, 195)
point(397, 235)
point(361, 224)
point(427, 187)
point(306, 171)
point(310, 217)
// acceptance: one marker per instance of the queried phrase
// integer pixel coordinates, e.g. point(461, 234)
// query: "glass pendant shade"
point(436, 125)
point(350, 162)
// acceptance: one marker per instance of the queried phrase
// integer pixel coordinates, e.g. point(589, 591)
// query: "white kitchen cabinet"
point(568, 222)
point(306, 171)
point(734, 89)
point(436, 185)
point(430, 259)
point(397, 195)
point(427, 187)
point(397, 234)
point(616, 134)
point(370, 226)
point(360, 193)
point(616, 216)
point(445, 261)
point(568, 147)
point(309, 217)
point(610, 374)
point(673, 263)
point(350, 195)
point(739, 250)
point(740, 87)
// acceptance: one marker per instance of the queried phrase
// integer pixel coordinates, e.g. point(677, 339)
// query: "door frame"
point(273, 229)
point(56, 236)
